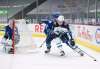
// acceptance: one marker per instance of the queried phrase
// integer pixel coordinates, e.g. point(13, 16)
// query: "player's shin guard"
point(59, 46)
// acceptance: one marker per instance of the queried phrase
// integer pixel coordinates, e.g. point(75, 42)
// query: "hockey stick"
point(42, 43)
point(4, 48)
point(94, 59)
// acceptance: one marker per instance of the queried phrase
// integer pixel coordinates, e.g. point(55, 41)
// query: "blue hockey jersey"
point(49, 26)
point(8, 32)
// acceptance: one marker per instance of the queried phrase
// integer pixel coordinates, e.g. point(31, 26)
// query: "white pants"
point(7, 44)
point(59, 44)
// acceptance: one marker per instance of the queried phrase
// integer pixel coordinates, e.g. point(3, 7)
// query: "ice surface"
point(39, 60)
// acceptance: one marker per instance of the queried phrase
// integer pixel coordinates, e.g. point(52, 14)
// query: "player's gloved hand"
point(72, 42)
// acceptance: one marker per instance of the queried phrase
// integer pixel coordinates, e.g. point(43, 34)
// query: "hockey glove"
point(72, 42)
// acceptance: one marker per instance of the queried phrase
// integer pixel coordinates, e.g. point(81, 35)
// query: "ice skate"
point(11, 51)
point(47, 51)
point(62, 53)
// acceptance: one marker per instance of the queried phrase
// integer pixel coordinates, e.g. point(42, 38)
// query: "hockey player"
point(65, 36)
point(8, 39)
point(49, 31)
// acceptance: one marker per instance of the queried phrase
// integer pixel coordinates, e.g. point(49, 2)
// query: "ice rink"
point(24, 25)
point(37, 59)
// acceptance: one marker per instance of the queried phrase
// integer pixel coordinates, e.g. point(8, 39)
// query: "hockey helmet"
point(56, 15)
point(60, 18)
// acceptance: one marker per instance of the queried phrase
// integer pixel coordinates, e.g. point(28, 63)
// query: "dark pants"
point(70, 42)
point(64, 37)
point(49, 38)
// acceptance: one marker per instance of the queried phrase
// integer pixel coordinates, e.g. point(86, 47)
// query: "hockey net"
point(25, 42)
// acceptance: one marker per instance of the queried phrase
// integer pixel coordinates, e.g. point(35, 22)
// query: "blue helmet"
point(56, 14)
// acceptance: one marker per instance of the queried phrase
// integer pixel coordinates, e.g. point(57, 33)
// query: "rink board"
point(88, 36)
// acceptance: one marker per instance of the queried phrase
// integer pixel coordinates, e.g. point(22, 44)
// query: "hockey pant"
point(52, 36)
point(70, 42)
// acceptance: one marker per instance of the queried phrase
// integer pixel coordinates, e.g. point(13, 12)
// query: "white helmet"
point(60, 18)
